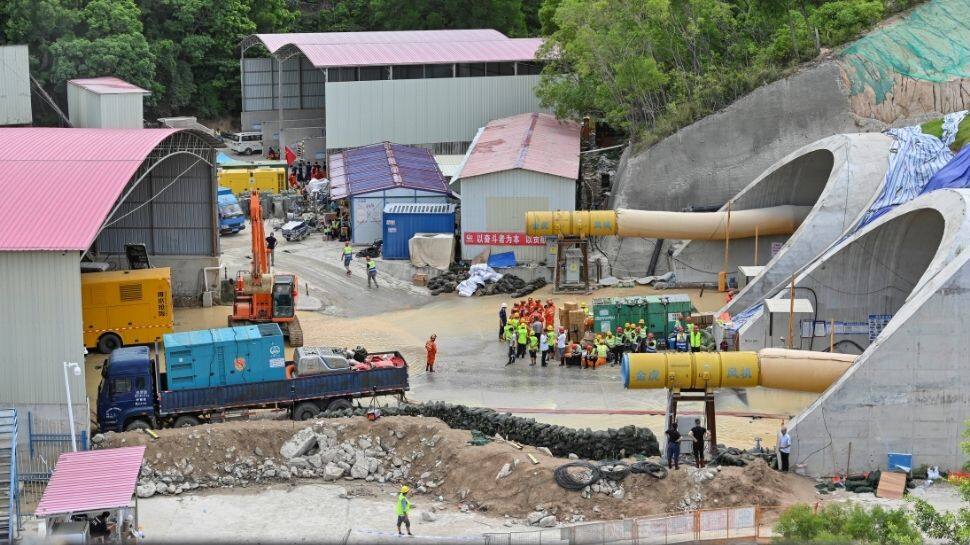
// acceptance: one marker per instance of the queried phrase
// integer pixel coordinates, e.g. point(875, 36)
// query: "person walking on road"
point(784, 448)
point(347, 255)
point(673, 447)
point(402, 508)
point(271, 246)
point(372, 272)
point(431, 347)
point(698, 433)
point(503, 318)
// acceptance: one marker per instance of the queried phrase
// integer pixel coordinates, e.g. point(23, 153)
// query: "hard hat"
point(562, 329)
point(641, 321)
point(405, 489)
point(504, 305)
point(620, 328)
point(549, 327)
point(549, 301)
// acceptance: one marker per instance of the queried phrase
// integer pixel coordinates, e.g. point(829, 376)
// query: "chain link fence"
point(740, 523)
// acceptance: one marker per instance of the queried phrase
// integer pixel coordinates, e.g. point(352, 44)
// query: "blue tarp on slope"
point(916, 158)
point(502, 261)
point(954, 175)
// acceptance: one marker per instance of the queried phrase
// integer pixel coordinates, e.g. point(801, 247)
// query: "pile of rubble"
point(560, 440)
point(310, 453)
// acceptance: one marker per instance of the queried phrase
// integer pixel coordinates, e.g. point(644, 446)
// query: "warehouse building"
point(372, 177)
point(516, 164)
point(105, 103)
point(430, 88)
point(15, 106)
point(73, 194)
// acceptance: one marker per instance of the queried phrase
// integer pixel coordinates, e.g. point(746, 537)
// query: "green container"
point(604, 314)
point(664, 310)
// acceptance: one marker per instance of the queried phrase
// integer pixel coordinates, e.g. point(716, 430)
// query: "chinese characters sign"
point(502, 239)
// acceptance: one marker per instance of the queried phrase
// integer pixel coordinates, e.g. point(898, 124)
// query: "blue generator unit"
point(403, 220)
point(224, 357)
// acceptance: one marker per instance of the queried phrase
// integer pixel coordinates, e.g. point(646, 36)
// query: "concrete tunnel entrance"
point(865, 283)
point(799, 182)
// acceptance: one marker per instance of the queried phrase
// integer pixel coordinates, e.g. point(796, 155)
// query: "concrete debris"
point(573, 456)
point(299, 444)
point(545, 451)
point(534, 517)
point(146, 490)
point(504, 472)
point(426, 516)
point(548, 522)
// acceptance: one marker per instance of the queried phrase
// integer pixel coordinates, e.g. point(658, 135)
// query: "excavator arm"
point(260, 265)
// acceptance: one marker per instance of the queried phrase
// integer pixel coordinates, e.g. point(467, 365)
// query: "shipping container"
point(224, 357)
point(604, 314)
point(404, 220)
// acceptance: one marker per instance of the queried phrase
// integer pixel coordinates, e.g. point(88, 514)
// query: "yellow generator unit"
point(126, 307)
point(799, 370)
point(264, 179)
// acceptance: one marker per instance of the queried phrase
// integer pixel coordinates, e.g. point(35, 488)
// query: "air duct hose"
point(775, 220)
point(798, 370)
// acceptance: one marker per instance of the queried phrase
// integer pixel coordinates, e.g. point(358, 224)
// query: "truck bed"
point(326, 385)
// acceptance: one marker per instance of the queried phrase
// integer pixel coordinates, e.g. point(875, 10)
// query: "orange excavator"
point(260, 297)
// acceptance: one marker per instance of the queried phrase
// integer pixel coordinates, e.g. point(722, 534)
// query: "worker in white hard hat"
point(402, 508)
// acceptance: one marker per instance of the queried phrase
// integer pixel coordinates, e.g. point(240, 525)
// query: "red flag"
point(290, 156)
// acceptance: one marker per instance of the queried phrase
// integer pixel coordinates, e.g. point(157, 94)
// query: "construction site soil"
point(465, 474)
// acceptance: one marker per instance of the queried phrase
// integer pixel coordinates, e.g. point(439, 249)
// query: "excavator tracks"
point(295, 332)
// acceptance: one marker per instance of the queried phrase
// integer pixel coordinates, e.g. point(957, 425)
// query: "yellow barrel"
point(581, 223)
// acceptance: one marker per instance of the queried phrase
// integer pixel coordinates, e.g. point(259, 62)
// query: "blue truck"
point(211, 373)
point(231, 217)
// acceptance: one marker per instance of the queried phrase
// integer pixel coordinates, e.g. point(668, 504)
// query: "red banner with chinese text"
point(502, 239)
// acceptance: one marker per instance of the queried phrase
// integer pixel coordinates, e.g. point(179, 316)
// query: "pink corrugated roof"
point(336, 49)
point(91, 481)
point(59, 185)
point(337, 55)
point(533, 141)
point(108, 86)
point(276, 41)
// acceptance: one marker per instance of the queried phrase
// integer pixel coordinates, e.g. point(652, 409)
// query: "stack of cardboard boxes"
point(574, 319)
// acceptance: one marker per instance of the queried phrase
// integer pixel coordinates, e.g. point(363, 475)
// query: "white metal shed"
point(105, 103)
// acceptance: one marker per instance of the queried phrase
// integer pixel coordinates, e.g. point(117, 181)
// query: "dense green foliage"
point(837, 523)
point(652, 66)
point(186, 51)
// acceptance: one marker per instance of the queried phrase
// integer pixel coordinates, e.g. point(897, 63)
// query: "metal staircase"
point(9, 504)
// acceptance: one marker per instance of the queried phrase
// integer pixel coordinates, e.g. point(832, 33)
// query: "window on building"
point(374, 73)
point(500, 69)
point(526, 68)
point(408, 71)
point(470, 70)
point(439, 70)
point(335, 75)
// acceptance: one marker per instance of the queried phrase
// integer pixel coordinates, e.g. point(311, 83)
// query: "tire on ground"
point(186, 420)
point(138, 424)
point(339, 404)
point(305, 411)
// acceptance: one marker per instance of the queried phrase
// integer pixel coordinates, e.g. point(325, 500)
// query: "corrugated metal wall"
point(498, 202)
point(422, 111)
point(108, 111)
point(15, 85)
point(367, 211)
point(303, 85)
point(179, 221)
point(41, 294)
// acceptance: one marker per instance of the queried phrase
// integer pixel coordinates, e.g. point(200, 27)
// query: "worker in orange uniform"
point(550, 313)
point(432, 348)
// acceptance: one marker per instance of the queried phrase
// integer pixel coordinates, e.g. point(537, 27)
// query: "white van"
point(246, 142)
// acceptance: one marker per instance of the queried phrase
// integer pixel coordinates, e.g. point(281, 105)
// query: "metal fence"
point(740, 523)
point(45, 439)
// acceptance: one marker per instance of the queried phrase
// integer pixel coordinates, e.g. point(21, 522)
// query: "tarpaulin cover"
point(502, 260)
point(433, 250)
point(477, 276)
point(953, 175)
point(741, 318)
point(916, 159)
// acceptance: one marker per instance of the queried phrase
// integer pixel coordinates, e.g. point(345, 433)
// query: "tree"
point(503, 15)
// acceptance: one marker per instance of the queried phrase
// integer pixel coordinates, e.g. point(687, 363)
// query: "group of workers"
point(531, 328)
point(337, 229)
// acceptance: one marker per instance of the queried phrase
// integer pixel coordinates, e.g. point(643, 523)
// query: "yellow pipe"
point(776, 220)
point(799, 370)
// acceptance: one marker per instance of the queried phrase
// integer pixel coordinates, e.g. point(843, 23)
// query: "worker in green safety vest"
point(402, 508)
point(371, 272)
point(533, 347)
point(522, 334)
point(347, 256)
point(601, 351)
point(694, 336)
point(510, 341)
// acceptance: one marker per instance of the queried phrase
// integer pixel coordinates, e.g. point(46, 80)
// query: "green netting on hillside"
point(932, 44)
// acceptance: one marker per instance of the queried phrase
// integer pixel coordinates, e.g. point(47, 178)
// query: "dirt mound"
point(440, 461)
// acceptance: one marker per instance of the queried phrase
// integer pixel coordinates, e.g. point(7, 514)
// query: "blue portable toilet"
point(403, 220)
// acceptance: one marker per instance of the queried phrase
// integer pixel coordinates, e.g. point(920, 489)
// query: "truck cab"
point(126, 395)
point(231, 217)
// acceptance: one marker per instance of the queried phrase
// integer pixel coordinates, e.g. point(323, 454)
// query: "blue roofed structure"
point(381, 174)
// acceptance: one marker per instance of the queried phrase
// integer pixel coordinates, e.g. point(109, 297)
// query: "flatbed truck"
point(134, 394)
